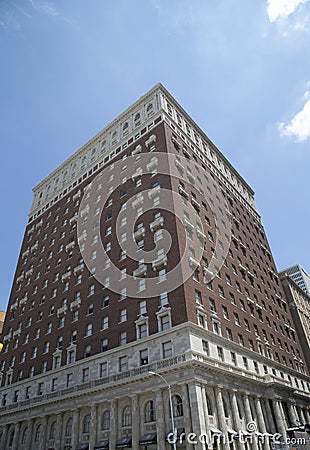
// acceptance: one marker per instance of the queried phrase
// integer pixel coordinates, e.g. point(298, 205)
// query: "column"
point(58, 435)
point(75, 428)
point(221, 416)
point(272, 428)
point(135, 427)
point(187, 413)
point(196, 406)
point(29, 434)
point(278, 417)
point(307, 415)
point(249, 418)
point(4, 436)
point(43, 433)
point(93, 426)
point(205, 407)
point(302, 416)
point(113, 423)
point(160, 420)
point(292, 414)
point(236, 417)
point(261, 420)
point(16, 436)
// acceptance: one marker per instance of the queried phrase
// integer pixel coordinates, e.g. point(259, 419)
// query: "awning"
point(83, 446)
point(179, 432)
point(125, 442)
point(148, 439)
point(216, 432)
point(233, 433)
point(102, 445)
point(230, 431)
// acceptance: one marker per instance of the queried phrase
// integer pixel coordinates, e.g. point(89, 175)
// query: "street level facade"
point(145, 254)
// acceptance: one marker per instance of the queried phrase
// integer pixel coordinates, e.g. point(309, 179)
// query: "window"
point(86, 423)
point(104, 345)
point(89, 330)
point(220, 353)
point(167, 349)
point(163, 299)
point(105, 323)
point(85, 374)
point(177, 406)
point(87, 351)
point(37, 435)
point(144, 357)
point(142, 331)
point(103, 369)
point(205, 347)
point(106, 301)
point(225, 313)
point(91, 289)
point(123, 364)
point(142, 307)
point(105, 421)
point(68, 431)
point(164, 321)
point(233, 358)
point(126, 417)
point(123, 315)
point(149, 412)
point(236, 319)
point(198, 297)
point(123, 338)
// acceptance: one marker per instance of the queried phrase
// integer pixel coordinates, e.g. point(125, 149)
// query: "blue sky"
point(241, 68)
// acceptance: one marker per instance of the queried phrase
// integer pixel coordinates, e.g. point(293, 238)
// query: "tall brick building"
point(87, 322)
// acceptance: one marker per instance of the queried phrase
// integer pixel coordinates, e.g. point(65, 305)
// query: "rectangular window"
point(205, 347)
point(123, 315)
point(167, 349)
point(220, 353)
point(142, 307)
point(233, 358)
point(144, 358)
point(85, 374)
point(104, 345)
point(123, 364)
point(103, 369)
point(123, 338)
point(105, 323)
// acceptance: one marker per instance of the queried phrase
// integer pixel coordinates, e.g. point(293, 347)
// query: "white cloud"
point(299, 126)
point(44, 7)
point(277, 9)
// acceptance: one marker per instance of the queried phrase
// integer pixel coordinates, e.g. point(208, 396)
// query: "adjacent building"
point(2, 317)
point(299, 303)
point(300, 276)
point(145, 255)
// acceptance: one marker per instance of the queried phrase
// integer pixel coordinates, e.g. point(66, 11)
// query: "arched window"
point(209, 406)
point(105, 423)
point(68, 432)
point(125, 128)
point(83, 162)
point(177, 406)
point(114, 137)
point(24, 436)
point(126, 417)
point(53, 430)
point(11, 438)
point(86, 423)
point(149, 412)
point(137, 119)
point(37, 435)
point(149, 109)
